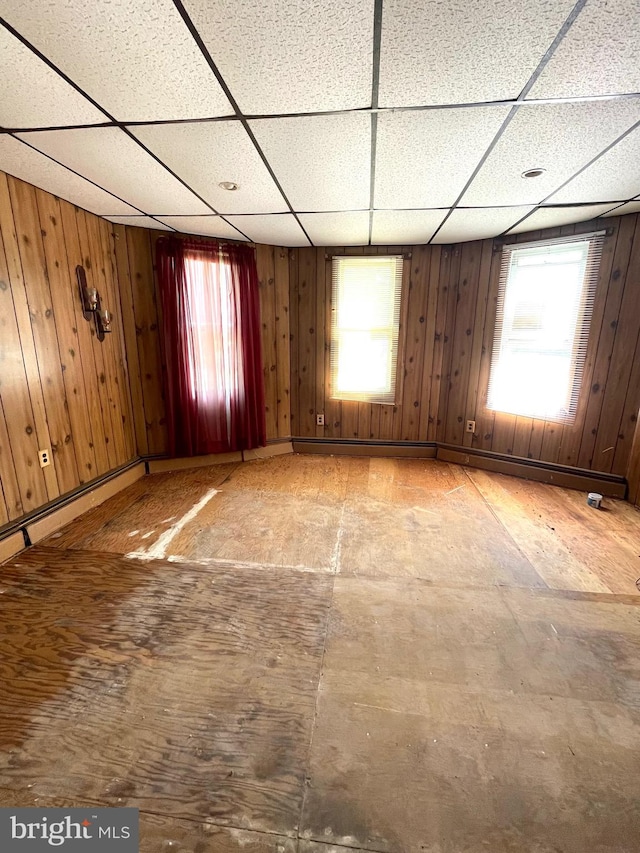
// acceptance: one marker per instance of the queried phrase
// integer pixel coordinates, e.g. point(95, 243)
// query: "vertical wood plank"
point(294, 338)
point(417, 315)
point(587, 457)
point(266, 277)
point(116, 341)
point(64, 306)
point(283, 366)
point(321, 336)
point(85, 334)
point(43, 326)
point(332, 408)
point(462, 341)
point(307, 337)
point(451, 286)
point(130, 338)
point(427, 416)
point(36, 423)
point(147, 331)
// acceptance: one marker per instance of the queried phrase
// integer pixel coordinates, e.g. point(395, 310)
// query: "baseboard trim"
point(161, 465)
point(11, 545)
point(611, 485)
point(45, 520)
point(354, 447)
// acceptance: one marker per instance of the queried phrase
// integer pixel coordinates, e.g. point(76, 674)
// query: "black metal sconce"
point(92, 305)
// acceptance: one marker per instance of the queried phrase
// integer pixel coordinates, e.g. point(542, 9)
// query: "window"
point(365, 323)
point(545, 301)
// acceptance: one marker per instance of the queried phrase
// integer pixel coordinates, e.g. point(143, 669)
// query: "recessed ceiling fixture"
point(229, 185)
point(530, 173)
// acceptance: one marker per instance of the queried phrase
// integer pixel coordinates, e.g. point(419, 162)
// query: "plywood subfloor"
point(315, 654)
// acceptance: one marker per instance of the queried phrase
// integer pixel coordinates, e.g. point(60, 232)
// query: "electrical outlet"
point(319, 420)
point(45, 458)
point(471, 426)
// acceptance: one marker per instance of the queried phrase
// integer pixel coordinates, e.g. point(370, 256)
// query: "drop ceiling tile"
point(404, 226)
point(629, 207)
point(23, 162)
point(137, 60)
point(552, 217)
point(205, 153)
point(138, 222)
point(614, 176)
point(35, 95)
point(424, 158)
point(280, 229)
point(207, 226)
point(600, 54)
point(479, 223)
point(448, 52)
point(347, 228)
point(323, 163)
point(107, 156)
point(290, 57)
point(560, 138)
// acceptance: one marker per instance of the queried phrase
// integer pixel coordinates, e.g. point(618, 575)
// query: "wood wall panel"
point(448, 338)
point(135, 266)
point(54, 374)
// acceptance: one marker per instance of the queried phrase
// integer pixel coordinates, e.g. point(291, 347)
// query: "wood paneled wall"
point(447, 335)
point(60, 388)
point(135, 252)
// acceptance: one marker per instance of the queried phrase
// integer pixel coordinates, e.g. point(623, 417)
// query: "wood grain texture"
point(450, 628)
point(447, 341)
point(137, 667)
point(143, 339)
point(60, 389)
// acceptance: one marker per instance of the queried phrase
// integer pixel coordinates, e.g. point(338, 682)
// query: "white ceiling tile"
point(205, 153)
point(208, 226)
point(614, 176)
point(138, 222)
point(29, 165)
point(552, 217)
point(560, 138)
point(600, 55)
point(280, 229)
point(107, 156)
point(322, 162)
point(137, 60)
point(629, 207)
point(347, 228)
point(35, 95)
point(404, 226)
point(424, 158)
point(478, 224)
point(290, 57)
point(451, 52)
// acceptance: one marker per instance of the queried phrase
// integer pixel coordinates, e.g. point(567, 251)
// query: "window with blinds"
point(365, 312)
point(545, 302)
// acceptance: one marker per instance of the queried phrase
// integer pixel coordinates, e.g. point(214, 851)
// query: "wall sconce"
point(92, 306)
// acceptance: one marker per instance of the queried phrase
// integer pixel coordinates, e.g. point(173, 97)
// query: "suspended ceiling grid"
point(341, 122)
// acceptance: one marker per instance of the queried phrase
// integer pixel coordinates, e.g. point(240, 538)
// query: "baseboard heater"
point(582, 479)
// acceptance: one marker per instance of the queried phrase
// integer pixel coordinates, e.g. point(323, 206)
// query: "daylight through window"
point(365, 307)
point(545, 302)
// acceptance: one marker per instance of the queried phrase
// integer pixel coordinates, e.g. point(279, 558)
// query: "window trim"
point(402, 324)
point(583, 321)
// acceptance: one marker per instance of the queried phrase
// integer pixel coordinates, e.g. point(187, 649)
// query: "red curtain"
point(211, 319)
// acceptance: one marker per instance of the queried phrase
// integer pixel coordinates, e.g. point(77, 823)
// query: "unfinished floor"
point(314, 654)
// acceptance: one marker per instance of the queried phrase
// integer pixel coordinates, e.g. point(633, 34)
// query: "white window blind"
point(365, 305)
point(545, 302)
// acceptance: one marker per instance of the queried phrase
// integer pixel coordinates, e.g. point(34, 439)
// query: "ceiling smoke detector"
point(229, 185)
point(533, 173)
